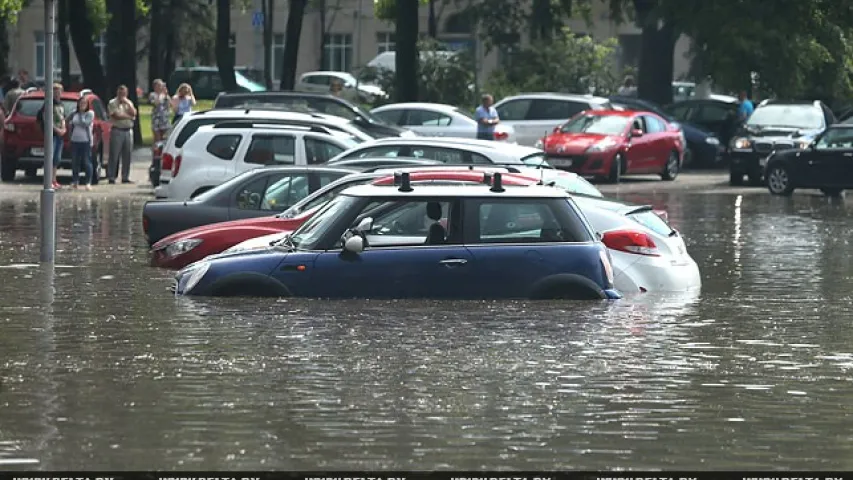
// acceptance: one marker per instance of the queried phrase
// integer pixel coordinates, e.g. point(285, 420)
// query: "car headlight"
point(193, 275)
point(712, 141)
point(539, 144)
point(181, 247)
point(741, 143)
point(602, 145)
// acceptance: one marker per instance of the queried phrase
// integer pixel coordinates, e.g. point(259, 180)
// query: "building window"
point(277, 56)
point(40, 54)
point(338, 48)
point(385, 42)
point(101, 47)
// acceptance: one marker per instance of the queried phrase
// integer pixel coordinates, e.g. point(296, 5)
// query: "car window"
point(596, 124)
point(250, 195)
point(327, 178)
point(191, 127)
point(791, 116)
point(383, 151)
point(425, 118)
point(543, 109)
point(836, 138)
point(209, 81)
point(98, 107)
point(574, 184)
point(285, 192)
point(29, 107)
point(391, 117)
point(328, 195)
point(331, 107)
point(519, 222)
point(409, 220)
point(652, 221)
point(450, 155)
point(272, 150)
point(224, 146)
point(514, 109)
point(653, 125)
point(320, 151)
point(712, 113)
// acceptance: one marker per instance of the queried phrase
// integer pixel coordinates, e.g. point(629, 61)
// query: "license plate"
point(560, 162)
point(38, 152)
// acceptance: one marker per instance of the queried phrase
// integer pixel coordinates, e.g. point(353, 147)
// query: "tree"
point(121, 52)
point(268, 7)
point(326, 23)
point(293, 33)
point(406, 58)
point(224, 59)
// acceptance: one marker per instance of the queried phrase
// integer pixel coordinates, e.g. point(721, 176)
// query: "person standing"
point(336, 88)
point(122, 116)
point(58, 130)
point(13, 93)
point(628, 88)
point(745, 107)
point(160, 106)
point(183, 102)
point(81, 124)
point(487, 118)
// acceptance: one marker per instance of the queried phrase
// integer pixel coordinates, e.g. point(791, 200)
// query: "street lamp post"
point(48, 199)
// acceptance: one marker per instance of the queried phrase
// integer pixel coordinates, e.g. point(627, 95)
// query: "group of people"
point(163, 106)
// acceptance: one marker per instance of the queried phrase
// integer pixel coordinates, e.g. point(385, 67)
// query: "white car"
point(456, 151)
point(189, 125)
point(218, 152)
point(535, 115)
point(437, 120)
point(353, 90)
point(648, 255)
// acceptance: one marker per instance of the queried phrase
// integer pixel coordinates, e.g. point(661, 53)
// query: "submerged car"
point(423, 242)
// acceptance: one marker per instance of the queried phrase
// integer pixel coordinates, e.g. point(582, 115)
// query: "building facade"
point(353, 36)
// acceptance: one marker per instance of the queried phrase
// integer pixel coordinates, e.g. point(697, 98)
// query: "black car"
point(716, 115)
point(322, 103)
point(826, 164)
point(775, 125)
point(256, 193)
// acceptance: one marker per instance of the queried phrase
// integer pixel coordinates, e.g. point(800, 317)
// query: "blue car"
point(405, 241)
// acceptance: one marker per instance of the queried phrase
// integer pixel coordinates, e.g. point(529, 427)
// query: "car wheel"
point(831, 192)
point(735, 178)
point(779, 181)
point(670, 170)
point(8, 169)
point(615, 174)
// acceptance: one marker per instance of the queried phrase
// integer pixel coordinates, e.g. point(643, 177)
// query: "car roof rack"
point(272, 124)
point(452, 166)
point(403, 180)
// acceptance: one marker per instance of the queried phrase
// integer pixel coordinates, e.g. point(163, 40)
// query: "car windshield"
point(791, 116)
point(596, 124)
point(574, 184)
point(29, 107)
point(224, 187)
point(308, 236)
point(320, 197)
point(535, 160)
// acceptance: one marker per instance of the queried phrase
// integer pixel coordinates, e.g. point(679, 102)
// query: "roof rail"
point(271, 124)
point(85, 92)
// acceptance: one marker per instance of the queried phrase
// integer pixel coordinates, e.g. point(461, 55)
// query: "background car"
point(258, 192)
point(455, 151)
point(352, 89)
point(23, 139)
point(325, 103)
point(437, 120)
point(207, 83)
point(610, 143)
point(534, 115)
point(775, 125)
point(368, 164)
point(826, 164)
point(718, 117)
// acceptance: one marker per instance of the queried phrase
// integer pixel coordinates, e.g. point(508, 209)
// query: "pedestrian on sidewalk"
point(122, 116)
point(183, 102)
point(628, 88)
point(161, 105)
point(745, 107)
point(81, 125)
point(487, 118)
point(59, 129)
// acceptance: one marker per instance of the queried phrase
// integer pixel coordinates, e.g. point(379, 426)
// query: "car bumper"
point(746, 162)
point(595, 164)
point(639, 273)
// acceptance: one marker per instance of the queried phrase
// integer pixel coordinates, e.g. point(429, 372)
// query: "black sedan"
point(826, 164)
point(256, 193)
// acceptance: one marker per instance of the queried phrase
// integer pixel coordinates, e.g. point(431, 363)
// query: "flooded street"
point(102, 368)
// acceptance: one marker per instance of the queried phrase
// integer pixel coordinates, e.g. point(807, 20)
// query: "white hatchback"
point(218, 152)
point(456, 151)
point(437, 120)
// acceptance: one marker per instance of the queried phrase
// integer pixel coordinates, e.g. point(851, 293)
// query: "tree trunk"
point(268, 9)
point(170, 43)
point(321, 9)
point(657, 52)
point(155, 44)
point(62, 39)
point(121, 53)
point(4, 46)
point(82, 34)
point(224, 60)
point(406, 59)
point(432, 25)
point(293, 32)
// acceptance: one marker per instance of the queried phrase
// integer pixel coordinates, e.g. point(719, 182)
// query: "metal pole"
point(48, 200)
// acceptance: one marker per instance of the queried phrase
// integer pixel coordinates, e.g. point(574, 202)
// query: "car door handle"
point(453, 262)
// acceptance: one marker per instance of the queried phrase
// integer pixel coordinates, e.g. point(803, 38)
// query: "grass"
point(145, 119)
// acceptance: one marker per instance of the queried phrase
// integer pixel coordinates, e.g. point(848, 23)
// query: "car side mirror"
point(365, 225)
point(354, 244)
point(636, 133)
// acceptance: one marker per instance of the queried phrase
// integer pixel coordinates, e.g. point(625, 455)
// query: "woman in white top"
point(81, 143)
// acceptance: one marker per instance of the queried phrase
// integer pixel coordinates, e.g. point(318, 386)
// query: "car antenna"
point(497, 184)
point(405, 182)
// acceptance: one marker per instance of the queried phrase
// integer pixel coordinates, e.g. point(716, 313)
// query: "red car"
point(23, 139)
point(611, 143)
point(183, 248)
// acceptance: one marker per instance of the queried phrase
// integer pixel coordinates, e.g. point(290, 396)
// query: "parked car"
point(254, 193)
point(534, 115)
point(825, 164)
point(182, 248)
point(448, 150)
point(611, 143)
point(248, 117)
point(23, 139)
point(774, 125)
point(717, 116)
point(437, 120)
point(218, 152)
point(352, 89)
point(207, 83)
point(416, 244)
point(683, 90)
point(369, 164)
point(703, 148)
point(325, 103)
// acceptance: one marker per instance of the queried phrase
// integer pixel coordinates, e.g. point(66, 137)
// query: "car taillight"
point(501, 135)
point(177, 166)
point(166, 162)
point(631, 241)
point(145, 224)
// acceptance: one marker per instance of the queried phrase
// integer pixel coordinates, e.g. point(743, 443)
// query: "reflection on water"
point(102, 368)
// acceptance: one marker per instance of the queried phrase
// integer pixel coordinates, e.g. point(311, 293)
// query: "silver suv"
point(534, 115)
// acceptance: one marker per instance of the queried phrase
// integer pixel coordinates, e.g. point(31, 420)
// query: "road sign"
point(258, 19)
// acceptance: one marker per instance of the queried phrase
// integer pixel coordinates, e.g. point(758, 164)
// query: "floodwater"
point(101, 368)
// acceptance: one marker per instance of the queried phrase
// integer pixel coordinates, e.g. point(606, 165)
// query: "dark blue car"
point(474, 242)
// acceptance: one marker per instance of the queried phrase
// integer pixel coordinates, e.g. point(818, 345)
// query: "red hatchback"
point(23, 139)
point(611, 143)
point(183, 248)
